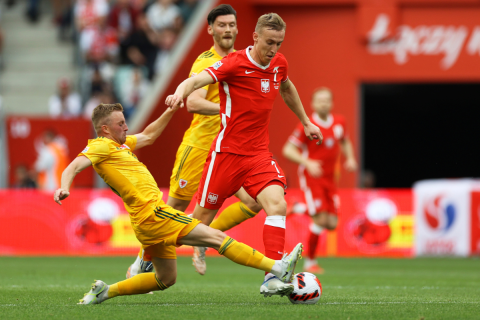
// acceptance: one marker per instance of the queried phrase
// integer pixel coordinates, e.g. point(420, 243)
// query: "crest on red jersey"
point(182, 183)
point(212, 198)
point(265, 85)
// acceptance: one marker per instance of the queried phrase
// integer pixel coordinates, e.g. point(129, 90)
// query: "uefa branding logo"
point(439, 213)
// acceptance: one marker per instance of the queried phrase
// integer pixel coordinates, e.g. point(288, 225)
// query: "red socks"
point(274, 237)
point(315, 232)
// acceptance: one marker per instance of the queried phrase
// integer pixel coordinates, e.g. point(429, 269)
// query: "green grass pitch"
point(444, 288)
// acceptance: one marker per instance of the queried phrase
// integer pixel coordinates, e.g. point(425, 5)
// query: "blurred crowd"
point(121, 45)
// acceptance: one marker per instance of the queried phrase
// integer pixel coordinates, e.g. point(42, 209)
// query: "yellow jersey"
point(204, 128)
point(125, 175)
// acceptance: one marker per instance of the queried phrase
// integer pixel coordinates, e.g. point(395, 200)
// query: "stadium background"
point(410, 101)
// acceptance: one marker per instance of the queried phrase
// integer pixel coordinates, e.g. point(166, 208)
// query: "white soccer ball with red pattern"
point(307, 289)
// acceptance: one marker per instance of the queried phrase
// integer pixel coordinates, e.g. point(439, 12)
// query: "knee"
point(170, 282)
point(331, 225)
point(321, 220)
point(277, 208)
point(217, 238)
point(253, 206)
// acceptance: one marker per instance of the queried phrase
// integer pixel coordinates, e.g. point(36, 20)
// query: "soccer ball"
point(307, 289)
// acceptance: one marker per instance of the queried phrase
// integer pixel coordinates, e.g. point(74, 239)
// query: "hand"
point(314, 168)
point(313, 132)
point(174, 101)
point(350, 165)
point(60, 194)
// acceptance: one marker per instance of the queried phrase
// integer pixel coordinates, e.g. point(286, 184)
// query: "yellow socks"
point(242, 254)
point(232, 216)
point(141, 283)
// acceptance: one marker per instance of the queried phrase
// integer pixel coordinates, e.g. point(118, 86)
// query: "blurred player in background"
point(204, 103)
point(316, 169)
point(158, 226)
point(51, 161)
point(249, 81)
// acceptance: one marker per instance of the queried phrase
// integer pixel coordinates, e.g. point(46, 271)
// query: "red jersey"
point(247, 92)
point(333, 130)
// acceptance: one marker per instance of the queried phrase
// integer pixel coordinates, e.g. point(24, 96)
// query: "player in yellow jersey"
point(157, 226)
point(204, 103)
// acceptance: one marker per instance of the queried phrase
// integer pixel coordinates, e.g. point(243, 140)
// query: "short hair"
point(319, 89)
point(102, 111)
point(221, 10)
point(271, 21)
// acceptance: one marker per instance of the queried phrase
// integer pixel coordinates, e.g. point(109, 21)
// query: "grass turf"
point(441, 288)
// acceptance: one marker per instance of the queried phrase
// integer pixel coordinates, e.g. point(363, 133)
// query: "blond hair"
point(101, 113)
point(320, 89)
point(271, 21)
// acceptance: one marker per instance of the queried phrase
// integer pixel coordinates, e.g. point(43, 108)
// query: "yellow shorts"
point(187, 172)
point(160, 232)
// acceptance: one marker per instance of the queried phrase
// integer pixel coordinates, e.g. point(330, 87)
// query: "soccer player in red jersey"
point(317, 168)
point(249, 81)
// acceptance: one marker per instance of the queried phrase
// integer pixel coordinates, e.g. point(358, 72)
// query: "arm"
point(74, 168)
point(187, 87)
point(154, 129)
point(197, 103)
point(291, 152)
point(290, 96)
point(347, 150)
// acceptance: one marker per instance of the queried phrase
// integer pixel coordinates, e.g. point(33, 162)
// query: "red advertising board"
point(475, 223)
point(95, 222)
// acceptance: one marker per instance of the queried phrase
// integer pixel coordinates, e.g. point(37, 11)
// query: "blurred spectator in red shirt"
point(65, 104)
point(139, 4)
point(99, 44)
point(123, 18)
point(89, 13)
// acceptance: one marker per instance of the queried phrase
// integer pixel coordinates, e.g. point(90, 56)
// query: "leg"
point(272, 200)
point(178, 204)
point(248, 201)
point(164, 260)
point(238, 212)
point(203, 214)
point(143, 263)
point(332, 221)
point(240, 253)
point(316, 228)
point(184, 181)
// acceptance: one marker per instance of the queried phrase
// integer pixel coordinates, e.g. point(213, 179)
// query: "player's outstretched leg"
point(242, 254)
point(237, 213)
point(232, 216)
point(164, 278)
point(142, 264)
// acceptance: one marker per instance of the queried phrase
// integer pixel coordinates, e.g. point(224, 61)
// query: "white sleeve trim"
point(213, 74)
